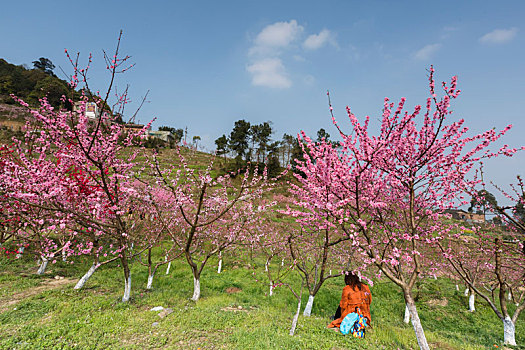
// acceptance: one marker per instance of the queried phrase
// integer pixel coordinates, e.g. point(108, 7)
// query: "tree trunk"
point(127, 289)
point(88, 274)
point(466, 292)
point(416, 323)
point(64, 256)
point(471, 298)
point(168, 269)
point(309, 304)
point(271, 289)
point(42, 267)
point(127, 279)
point(295, 318)
point(457, 287)
point(219, 268)
point(150, 280)
point(509, 296)
point(406, 319)
point(196, 289)
point(20, 252)
point(151, 271)
point(509, 331)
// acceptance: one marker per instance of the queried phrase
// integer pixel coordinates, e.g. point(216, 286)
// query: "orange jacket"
point(351, 299)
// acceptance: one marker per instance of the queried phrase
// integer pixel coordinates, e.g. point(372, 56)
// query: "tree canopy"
point(32, 84)
point(45, 65)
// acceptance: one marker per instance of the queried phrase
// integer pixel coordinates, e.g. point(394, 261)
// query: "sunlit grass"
point(63, 318)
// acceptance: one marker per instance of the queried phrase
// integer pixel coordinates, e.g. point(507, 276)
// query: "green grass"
point(94, 318)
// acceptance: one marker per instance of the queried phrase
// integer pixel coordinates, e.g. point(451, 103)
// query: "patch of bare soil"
point(437, 302)
point(238, 308)
point(231, 290)
point(234, 309)
point(47, 284)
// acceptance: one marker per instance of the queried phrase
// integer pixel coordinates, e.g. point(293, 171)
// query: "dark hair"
point(352, 280)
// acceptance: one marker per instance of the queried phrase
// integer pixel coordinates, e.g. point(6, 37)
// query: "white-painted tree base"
point(196, 289)
point(466, 292)
point(150, 281)
point(509, 332)
point(471, 300)
point(219, 268)
point(168, 269)
point(295, 318)
point(42, 267)
point(85, 278)
point(271, 289)
point(457, 287)
point(406, 319)
point(308, 307)
point(20, 252)
point(127, 290)
point(418, 329)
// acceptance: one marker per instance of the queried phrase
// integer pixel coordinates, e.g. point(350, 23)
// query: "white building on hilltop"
point(92, 110)
point(166, 136)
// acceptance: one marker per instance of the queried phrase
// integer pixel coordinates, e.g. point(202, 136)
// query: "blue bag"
point(354, 323)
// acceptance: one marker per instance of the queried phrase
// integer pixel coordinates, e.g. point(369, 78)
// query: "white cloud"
point(276, 36)
point(316, 41)
point(282, 41)
point(269, 72)
point(426, 52)
point(499, 36)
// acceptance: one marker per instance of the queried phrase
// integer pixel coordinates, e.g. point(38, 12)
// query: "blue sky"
point(210, 63)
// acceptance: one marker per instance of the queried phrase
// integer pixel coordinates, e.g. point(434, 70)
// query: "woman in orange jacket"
point(355, 294)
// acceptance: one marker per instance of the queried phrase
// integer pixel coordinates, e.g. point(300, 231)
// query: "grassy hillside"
point(44, 312)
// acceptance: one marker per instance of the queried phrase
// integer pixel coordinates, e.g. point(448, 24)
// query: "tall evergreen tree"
point(322, 134)
point(45, 65)
point(222, 145)
point(483, 200)
point(239, 138)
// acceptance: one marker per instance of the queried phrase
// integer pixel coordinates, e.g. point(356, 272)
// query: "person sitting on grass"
point(355, 294)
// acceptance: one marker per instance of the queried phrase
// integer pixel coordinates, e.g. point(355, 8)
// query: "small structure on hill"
point(166, 136)
point(134, 127)
point(460, 214)
point(92, 111)
point(12, 117)
point(12, 124)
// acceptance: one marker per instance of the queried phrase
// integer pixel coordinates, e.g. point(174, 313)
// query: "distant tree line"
point(33, 84)
point(253, 143)
point(484, 202)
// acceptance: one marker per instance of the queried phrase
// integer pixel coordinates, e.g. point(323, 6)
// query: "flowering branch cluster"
point(385, 194)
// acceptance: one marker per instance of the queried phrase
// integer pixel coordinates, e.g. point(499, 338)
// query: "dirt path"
point(48, 284)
